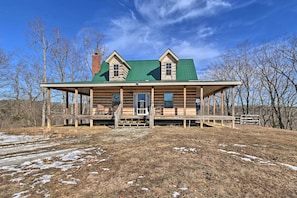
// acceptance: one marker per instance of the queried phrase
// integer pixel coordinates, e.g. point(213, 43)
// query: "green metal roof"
point(149, 70)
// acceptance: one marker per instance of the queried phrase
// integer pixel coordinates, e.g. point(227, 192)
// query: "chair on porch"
point(101, 110)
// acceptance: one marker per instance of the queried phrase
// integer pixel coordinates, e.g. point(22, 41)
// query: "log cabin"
point(165, 91)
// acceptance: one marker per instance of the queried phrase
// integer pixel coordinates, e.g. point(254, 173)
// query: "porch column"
point(201, 107)
point(233, 109)
point(122, 97)
point(81, 106)
point(185, 106)
point(152, 112)
point(67, 108)
point(76, 108)
point(214, 106)
point(208, 106)
point(222, 106)
point(91, 107)
point(48, 108)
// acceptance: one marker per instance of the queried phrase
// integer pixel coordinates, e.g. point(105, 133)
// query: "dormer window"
point(168, 69)
point(115, 70)
point(118, 67)
point(168, 63)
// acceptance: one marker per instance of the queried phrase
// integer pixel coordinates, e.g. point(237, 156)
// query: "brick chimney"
point(96, 59)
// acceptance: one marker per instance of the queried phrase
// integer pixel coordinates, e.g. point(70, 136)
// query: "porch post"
point(122, 97)
point(152, 113)
point(81, 106)
point(214, 106)
point(76, 108)
point(208, 106)
point(185, 106)
point(201, 107)
point(222, 106)
point(233, 109)
point(48, 108)
point(91, 107)
point(67, 108)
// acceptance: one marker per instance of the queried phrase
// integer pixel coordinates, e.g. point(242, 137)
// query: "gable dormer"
point(118, 67)
point(168, 61)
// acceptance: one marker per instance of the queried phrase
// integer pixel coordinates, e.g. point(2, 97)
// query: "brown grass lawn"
point(171, 162)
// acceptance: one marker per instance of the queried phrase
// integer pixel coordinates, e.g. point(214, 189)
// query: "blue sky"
point(143, 29)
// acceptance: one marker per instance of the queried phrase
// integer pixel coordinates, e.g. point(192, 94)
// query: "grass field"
point(249, 161)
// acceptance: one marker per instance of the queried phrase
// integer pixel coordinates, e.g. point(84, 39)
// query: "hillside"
point(163, 162)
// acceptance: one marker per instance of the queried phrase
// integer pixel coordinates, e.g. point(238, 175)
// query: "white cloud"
point(173, 11)
point(204, 32)
point(201, 53)
point(135, 38)
point(128, 35)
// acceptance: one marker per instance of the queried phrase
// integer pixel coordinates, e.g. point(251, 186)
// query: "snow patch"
point(72, 156)
point(183, 189)
point(176, 194)
point(229, 152)
point(239, 145)
point(46, 178)
point(17, 179)
point(251, 158)
point(185, 150)
point(246, 159)
point(73, 182)
point(223, 145)
point(8, 138)
point(21, 194)
point(131, 182)
point(289, 166)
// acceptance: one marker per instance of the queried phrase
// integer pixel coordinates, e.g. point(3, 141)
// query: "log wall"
point(103, 96)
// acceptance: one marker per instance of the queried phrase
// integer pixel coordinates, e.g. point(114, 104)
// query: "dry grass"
point(168, 161)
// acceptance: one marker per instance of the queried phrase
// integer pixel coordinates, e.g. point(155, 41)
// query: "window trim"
point(115, 70)
point(168, 68)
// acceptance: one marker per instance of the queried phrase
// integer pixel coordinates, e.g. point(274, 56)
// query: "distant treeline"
point(268, 73)
point(48, 57)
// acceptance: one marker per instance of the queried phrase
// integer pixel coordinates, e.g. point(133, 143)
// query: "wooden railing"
point(117, 115)
point(250, 119)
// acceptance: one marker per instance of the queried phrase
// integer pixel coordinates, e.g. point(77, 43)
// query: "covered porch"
point(186, 103)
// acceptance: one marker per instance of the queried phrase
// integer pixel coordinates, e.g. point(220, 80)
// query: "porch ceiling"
point(81, 90)
point(210, 90)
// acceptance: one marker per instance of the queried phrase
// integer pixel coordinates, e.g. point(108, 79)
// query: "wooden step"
point(132, 122)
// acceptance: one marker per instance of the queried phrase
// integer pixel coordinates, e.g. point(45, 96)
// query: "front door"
point(141, 103)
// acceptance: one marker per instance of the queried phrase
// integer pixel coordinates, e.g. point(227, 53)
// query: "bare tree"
point(41, 43)
point(288, 48)
point(268, 75)
point(236, 64)
point(89, 41)
point(4, 68)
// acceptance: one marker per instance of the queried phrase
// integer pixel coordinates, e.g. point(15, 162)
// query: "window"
point(115, 70)
point(168, 100)
point(115, 100)
point(168, 69)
